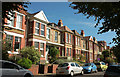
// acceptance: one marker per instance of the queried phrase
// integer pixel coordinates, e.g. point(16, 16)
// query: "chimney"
point(60, 23)
point(94, 38)
point(82, 33)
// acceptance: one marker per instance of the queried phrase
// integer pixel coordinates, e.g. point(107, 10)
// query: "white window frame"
point(56, 36)
point(67, 35)
point(42, 55)
point(35, 46)
point(48, 33)
point(70, 38)
point(42, 29)
point(37, 28)
point(19, 21)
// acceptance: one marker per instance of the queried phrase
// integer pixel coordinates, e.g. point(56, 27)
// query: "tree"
point(53, 53)
point(30, 53)
point(12, 6)
point(108, 12)
point(105, 54)
point(6, 46)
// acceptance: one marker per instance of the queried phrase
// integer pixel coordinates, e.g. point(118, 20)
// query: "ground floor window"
point(17, 43)
point(10, 40)
point(67, 51)
point(70, 51)
point(36, 44)
point(90, 56)
point(42, 49)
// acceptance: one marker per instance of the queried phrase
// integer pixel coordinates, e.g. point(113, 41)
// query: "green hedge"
point(25, 63)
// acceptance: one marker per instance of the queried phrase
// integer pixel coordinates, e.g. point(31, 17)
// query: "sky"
point(55, 11)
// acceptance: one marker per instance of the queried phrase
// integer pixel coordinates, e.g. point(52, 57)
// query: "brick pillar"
point(45, 31)
point(34, 26)
point(23, 23)
point(13, 43)
point(15, 19)
point(71, 38)
point(44, 49)
point(32, 43)
point(40, 29)
point(65, 51)
point(65, 37)
point(68, 38)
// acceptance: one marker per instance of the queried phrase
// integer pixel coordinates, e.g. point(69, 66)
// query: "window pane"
point(37, 25)
point(42, 32)
point(36, 45)
point(17, 43)
point(48, 33)
point(37, 31)
point(70, 51)
point(42, 26)
point(56, 36)
point(19, 21)
point(67, 51)
point(42, 48)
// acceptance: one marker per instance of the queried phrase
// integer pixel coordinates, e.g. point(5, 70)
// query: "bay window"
point(42, 29)
point(67, 37)
point(36, 45)
point(67, 51)
point(19, 21)
point(42, 49)
point(10, 40)
point(37, 27)
point(17, 43)
point(70, 38)
point(56, 36)
point(48, 33)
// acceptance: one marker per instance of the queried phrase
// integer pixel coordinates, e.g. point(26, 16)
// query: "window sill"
point(14, 27)
point(38, 35)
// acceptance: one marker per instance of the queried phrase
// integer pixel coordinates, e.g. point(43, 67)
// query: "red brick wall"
point(54, 68)
point(34, 69)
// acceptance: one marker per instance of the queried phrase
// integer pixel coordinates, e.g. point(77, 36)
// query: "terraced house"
point(35, 30)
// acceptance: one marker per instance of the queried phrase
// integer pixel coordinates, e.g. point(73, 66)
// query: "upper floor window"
point(37, 27)
point(42, 29)
point(67, 38)
point(48, 33)
point(56, 36)
point(76, 41)
point(70, 38)
point(19, 21)
point(11, 21)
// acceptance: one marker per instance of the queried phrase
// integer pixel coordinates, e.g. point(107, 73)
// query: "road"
point(98, 74)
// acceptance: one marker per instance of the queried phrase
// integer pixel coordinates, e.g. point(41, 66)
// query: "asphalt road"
point(98, 74)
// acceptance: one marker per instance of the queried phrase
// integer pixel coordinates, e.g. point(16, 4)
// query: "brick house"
point(15, 31)
point(35, 30)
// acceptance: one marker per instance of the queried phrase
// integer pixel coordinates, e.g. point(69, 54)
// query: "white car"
point(69, 68)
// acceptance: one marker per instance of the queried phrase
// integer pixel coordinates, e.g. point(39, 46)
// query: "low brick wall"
point(34, 69)
point(54, 66)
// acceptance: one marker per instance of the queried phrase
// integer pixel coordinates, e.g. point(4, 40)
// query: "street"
point(98, 74)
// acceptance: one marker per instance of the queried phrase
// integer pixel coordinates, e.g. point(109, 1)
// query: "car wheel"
point(27, 75)
point(91, 71)
point(82, 72)
point(72, 74)
point(96, 71)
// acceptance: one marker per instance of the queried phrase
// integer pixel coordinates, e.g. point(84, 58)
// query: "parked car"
point(101, 66)
point(90, 67)
point(69, 68)
point(10, 69)
point(112, 71)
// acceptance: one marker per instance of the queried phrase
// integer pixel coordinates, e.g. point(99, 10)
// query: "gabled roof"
point(89, 38)
point(76, 33)
point(65, 28)
point(40, 15)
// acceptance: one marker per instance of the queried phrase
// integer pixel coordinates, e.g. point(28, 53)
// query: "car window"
point(77, 65)
point(72, 64)
point(10, 66)
point(87, 64)
point(97, 63)
point(63, 65)
point(103, 63)
point(115, 69)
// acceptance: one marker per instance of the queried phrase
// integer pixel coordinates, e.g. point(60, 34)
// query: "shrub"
point(31, 53)
point(25, 62)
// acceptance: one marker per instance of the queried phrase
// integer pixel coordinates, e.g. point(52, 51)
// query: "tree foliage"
point(31, 53)
point(108, 12)
point(5, 48)
point(10, 7)
point(53, 53)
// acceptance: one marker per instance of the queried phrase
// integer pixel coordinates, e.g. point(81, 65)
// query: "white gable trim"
point(41, 16)
point(91, 38)
point(14, 34)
